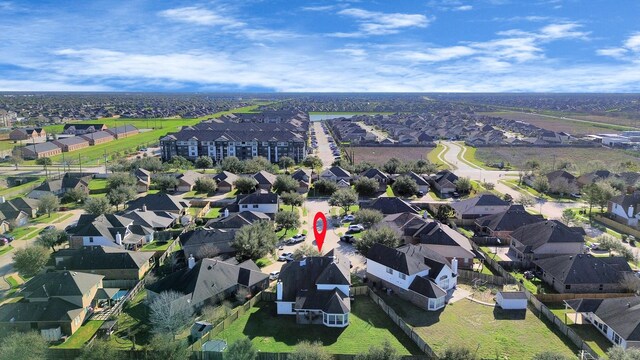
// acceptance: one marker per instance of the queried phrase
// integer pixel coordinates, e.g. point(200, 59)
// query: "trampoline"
point(215, 345)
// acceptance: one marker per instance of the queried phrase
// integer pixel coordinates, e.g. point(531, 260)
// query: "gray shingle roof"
point(622, 315)
point(391, 205)
point(509, 220)
point(549, 231)
point(584, 269)
point(305, 274)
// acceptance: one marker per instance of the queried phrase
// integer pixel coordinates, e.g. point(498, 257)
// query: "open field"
point(576, 128)
point(380, 155)
point(368, 326)
point(580, 157)
point(496, 333)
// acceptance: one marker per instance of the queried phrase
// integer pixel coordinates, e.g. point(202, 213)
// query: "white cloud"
point(199, 16)
point(633, 42)
point(437, 54)
point(463, 8)
point(618, 53)
point(379, 23)
point(562, 31)
point(319, 8)
point(628, 51)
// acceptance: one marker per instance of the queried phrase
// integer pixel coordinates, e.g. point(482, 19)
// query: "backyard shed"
point(512, 300)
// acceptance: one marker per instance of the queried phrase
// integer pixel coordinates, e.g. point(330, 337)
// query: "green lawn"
point(133, 321)
point(194, 194)
point(389, 191)
point(12, 281)
point(97, 186)
point(368, 326)
point(24, 233)
point(81, 336)
point(587, 332)
point(156, 246)
point(5, 249)
point(432, 156)
point(22, 189)
point(285, 235)
point(494, 332)
point(469, 156)
point(213, 213)
point(534, 285)
point(55, 218)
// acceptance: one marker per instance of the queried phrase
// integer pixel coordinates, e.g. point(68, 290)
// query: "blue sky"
point(301, 46)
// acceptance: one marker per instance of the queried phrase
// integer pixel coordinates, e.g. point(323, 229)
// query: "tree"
point(205, 185)
point(443, 213)
point(255, 241)
point(458, 353)
point(288, 220)
point(562, 187)
point(309, 351)
point(365, 186)
point(463, 185)
point(541, 184)
point(97, 206)
point(531, 165)
point(525, 200)
point(120, 179)
point(630, 282)
point(607, 191)
point(258, 163)
point(325, 187)
point(391, 166)
point(45, 162)
point(74, 196)
point(405, 186)
point(368, 217)
point(363, 166)
point(312, 162)
point(16, 160)
point(48, 203)
point(305, 250)
point(169, 312)
point(232, 164)
point(152, 164)
point(344, 198)
point(618, 353)
point(204, 162)
point(121, 195)
point(99, 350)
point(245, 185)
point(549, 355)
point(30, 260)
point(385, 352)
point(508, 198)
point(180, 162)
point(51, 238)
point(591, 194)
point(292, 198)
point(23, 346)
point(285, 183)
point(286, 162)
point(382, 235)
point(241, 349)
point(166, 348)
point(165, 182)
point(568, 216)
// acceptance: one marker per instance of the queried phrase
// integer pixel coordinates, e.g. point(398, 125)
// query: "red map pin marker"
point(319, 234)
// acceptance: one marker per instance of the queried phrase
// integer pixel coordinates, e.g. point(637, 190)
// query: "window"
point(256, 206)
point(293, 307)
point(601, 287)
point(389, 271)
point(567, 287)
point(616, 338)
point(402, 276)
point(244, 206)
point(90, 239)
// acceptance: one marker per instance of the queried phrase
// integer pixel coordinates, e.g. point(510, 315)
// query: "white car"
point(356, 228)
point(297, 238)
point(274, 275)
point(285, 256)
point(348, 218)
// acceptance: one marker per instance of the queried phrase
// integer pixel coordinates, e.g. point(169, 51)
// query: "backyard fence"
point(359, 290)
point(487, 241)
point(550, 298)
point(621, 228)
point(116, 309)
point(487, 278)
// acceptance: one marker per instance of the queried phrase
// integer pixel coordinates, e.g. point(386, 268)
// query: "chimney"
point(144, 207)
point(2, 200)
point(226, 212)
point(118, 238)
point(279, 290)
point(629, 212)
point(454, 266)
point(191, 262)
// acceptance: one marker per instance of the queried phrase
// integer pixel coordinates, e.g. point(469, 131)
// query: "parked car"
point(49, 228)
point(595, 246)
point(356, 228)
point(455, 195)
point(287, 256)
point(7, 238)
point(420, 193)
point(348, 218)
point(297, 238)
point(347, 238)
point(529, 275)
point(274, 275)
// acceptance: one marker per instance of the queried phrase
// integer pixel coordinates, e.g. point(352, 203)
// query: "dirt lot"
point(380, 155)
point(582, 158)
point(572, 127)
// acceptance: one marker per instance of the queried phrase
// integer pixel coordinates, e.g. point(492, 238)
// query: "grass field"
point(368, 326)
point(81, 336)
point(497, 334)
point(432, 156)
point(586, 125)
point(380, 155)
point(22, 189)
point(580, 157)
point(134, 322)
point(157, 246)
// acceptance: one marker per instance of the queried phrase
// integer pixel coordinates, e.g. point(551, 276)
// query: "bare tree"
point(630, 282)
point(170, 312)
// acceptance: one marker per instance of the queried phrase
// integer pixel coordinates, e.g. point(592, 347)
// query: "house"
point(12, 217)
point(423, 184)
point(82, 128)
point(618, 319)
point(625, 208)
point(316, 290)
point(391, 205)
point(407, 224)
point(237, 220)
point(443, 240)
point(71, 143)
point(264, 202)
point(511, 300)
point(62, 186)
point(592, 177)
point(377, 175)
point(543, 239)
point(414, 272)
point(335, 174)
point(36, 151)
point(208, 243)
point(156, 220)
point(225, 181)
point(98, 137)
point(109, 230)
point(501, 225)
point(209, 281)
point(264, 179)
point(123, 131)
point(31, 134)
point(143, 180)
point(55, 303)
point(444, 182)
point(584, 273)
point(187, 180)
point(159, 202)
point(303, 177)
point(112, 263)
point(466, 211)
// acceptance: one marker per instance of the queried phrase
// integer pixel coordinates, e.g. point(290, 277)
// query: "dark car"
point(455, 195)
point(49, 228)
point(420, 193)
point(347, 238)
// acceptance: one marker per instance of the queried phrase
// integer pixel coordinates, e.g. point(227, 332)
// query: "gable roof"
point(212, 240)
point(339, 172)
point(391, 205)
point(53, 310)
point(226, 176)
point(189, 177)
point(157, 202)
point(436, 233)
point(373, 173)
point(264, 177)
point(465, 206)
point(512, 218)
point(237, 220)
point(420, 180)
point(426, 287)
point(330, 301)
point(408, 259)
point(258, 198)
point(407, 223)
point(306, 274)
point(151, 219)
point(584, 268)
point(101, 258)
point(622, 315)
point(60, 283)
point(300, 175)
point(627, 201)
point(533, 236)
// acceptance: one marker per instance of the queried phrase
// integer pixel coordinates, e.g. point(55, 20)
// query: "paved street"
point(323, 151)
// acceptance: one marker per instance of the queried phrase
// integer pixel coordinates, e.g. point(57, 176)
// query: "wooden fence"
point(487, 278)
point(550, 298)
point(621, 228)
point(487, 241)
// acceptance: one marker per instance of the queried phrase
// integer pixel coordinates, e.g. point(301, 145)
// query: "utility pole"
point(105, 161)
point(80, 162)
